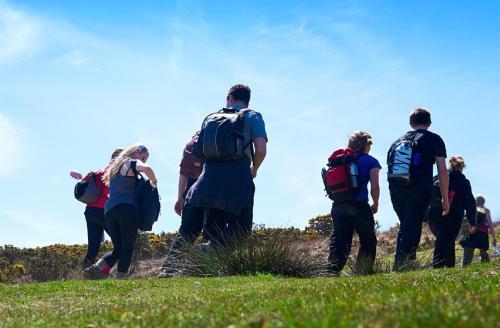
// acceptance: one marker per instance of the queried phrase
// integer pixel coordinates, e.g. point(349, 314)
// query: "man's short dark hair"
point(420, 116)
point(240, 92)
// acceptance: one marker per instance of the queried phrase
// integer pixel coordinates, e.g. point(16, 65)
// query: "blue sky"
point(78, 78)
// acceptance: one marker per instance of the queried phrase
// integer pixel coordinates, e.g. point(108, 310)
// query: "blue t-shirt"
point(365, 164)
point(253, 127)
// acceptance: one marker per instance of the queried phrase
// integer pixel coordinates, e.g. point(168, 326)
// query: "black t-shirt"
point(429, 146)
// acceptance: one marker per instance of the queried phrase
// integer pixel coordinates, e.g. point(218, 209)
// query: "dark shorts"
point(476, 240)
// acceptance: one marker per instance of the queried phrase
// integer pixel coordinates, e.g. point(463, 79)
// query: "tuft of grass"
point(250, 256)
point(363, 267)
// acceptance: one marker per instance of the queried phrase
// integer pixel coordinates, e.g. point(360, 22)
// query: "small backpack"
point(436, 192)
point(341, 176)
point(403, 160)
point(146, 202)
point(221, 137)
point(87, 190)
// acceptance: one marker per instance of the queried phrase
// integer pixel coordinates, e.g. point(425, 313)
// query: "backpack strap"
point(242, 113)
point(133, 167)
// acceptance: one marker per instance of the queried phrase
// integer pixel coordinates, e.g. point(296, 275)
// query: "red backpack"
point(341, 175)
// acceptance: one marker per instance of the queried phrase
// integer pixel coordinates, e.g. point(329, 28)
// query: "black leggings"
point(96, 225)
point(121, 224)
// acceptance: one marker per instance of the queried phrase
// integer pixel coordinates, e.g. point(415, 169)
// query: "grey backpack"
point(87, 191)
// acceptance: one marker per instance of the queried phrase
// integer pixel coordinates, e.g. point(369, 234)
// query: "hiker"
point(94, 212)
point(410, 174)
point(232, 143)
point(353, 212)
point(478, 236)
point(190, 170)
point(446, 228)
point(121, 217)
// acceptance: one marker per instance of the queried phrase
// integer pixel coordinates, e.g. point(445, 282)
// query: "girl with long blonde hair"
point(121, 218)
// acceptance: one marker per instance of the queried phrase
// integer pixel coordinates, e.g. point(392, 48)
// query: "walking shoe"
point(100, 270)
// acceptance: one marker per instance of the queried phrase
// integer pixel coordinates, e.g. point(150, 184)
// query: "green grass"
point(431, 298)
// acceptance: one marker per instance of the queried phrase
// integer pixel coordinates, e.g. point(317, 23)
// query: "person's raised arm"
point(179, 204)
point(75, 175)
point(146, 169)
point(260, 146)
point(375, 188)
point(444, 184)
point(492, 227)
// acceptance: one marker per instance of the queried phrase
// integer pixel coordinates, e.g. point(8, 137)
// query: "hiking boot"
point(100, 270)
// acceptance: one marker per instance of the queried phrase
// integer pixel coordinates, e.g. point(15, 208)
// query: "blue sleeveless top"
point(121, 189)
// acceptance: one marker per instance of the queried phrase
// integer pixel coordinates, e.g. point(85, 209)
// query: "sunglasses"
point(142, 149)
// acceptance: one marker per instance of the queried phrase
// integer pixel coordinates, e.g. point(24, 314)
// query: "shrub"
point(54, 263)
point(320, 225)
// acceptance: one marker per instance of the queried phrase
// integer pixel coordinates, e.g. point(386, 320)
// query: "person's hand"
point(374, 208)
point(75, 175)
point(446, 207)
point(179, 206)
point(153, 184)
point(254, 172)
point(494, 243)
point(472, 229)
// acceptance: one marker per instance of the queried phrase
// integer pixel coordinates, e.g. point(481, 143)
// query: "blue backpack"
point(403, 160)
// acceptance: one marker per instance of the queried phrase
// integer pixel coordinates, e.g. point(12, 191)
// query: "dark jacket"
point(460, 194)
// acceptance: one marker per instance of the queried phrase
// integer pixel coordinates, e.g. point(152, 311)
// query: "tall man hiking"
point(232, 143)
point(410, 174)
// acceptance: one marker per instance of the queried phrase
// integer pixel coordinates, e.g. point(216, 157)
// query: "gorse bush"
point(250, 256)
point(57, 262)
point(320, 225)
point(11, 272)
point(54, 263)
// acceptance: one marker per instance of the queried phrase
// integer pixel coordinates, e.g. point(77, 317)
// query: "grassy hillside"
point(433, 298)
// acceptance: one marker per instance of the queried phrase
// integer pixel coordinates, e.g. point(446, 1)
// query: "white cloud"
point(24, 35)
point(19, 34)
point(12, 146)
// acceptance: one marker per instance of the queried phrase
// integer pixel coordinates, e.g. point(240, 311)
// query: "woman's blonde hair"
point(457, 163)
point(125, 155)
point(359, 140)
